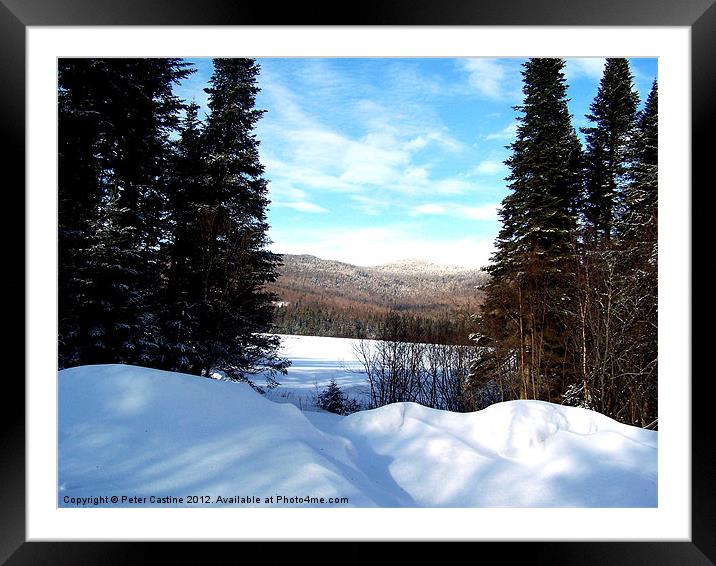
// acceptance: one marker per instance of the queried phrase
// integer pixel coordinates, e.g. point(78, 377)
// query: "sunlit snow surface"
point(133, 431)
point(316, 360)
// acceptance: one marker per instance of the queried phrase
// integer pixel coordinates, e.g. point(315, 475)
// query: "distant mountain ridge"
point(409, 284)
point(423, 266)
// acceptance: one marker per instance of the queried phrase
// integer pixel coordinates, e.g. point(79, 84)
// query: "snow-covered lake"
point(315, 361)
point(159, 436)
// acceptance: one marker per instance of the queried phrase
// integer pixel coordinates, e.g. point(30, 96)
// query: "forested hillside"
point(331, 298)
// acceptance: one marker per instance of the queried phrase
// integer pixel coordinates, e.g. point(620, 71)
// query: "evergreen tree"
point(641, 193)
point(539, 214)
point(571, 315)
point(639, 246)
point(520, 318)
point(333, 400)
point(613, 322)
point(182, 350)
point(163, 257)
point(236, 311)
point(115, 119)
point(608, 142)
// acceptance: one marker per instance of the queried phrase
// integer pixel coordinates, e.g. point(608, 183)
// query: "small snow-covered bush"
point(333, 400)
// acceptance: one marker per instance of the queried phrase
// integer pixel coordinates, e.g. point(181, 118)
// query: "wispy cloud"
point(370, 205)
point(379, 150)
point(489, 167)
point(486, 76)
point(413, 148)
point(375, 246)
point(442, 139)
point(303, 206)
point(587, 67)
point(495, 79)
point(484, 212)
point(507, 133)
point(430, 208)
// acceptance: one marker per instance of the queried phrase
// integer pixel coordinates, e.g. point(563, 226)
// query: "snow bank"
point(512, 454)
point(139, 432)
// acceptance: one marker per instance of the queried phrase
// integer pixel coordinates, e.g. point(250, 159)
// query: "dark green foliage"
point(571, 311)
point(638, 249)
point(333, 400)
point(608, 143)
point(162, 238)
point(314, 319)
point(115, 117)
point(183, 348)
point(640, 198)
point(235, 309)
point(540, 212)
point(520, 316)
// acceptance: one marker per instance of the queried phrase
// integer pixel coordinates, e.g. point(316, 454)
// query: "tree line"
point(570, 311)
point(313, 318)
point(162, 239)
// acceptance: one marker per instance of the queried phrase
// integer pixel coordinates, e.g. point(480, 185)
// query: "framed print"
point(656, 507)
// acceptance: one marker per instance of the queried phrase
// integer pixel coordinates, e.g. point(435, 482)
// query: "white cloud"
point(484, 212)
point(430, 209)
point(489, 167)
point(281, 191)
point(416, 143)
point(486, 76)
point(303, 206)
point(450, 186)
point(376, 159)
point(369, 204)
point(444, 140)
point(507, 133)
point(375, 246)
point(368, 147)
point(589, 67)
point(418, 174)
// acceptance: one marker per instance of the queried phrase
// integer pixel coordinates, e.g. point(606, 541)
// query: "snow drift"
point(146, 433)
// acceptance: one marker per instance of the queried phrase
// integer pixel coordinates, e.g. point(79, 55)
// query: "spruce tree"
point(614, 319)
point(520, 319)
point(236, 311)
point(331, 399)
point(539, 214)
point(640, 197)
point(182, 351)
point(612, 111)
point(638, 248)
point(115, 120)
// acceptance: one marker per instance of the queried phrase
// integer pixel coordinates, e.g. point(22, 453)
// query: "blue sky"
point(376, 160)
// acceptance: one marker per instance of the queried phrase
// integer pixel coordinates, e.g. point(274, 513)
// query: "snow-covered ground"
point(315, 361)
point(137, 432)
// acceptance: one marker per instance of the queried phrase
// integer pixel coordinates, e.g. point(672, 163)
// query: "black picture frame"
point(16, 15)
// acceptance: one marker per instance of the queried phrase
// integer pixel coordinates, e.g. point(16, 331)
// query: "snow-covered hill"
point(420, 266)
point(144, 433)
point(410, 283)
